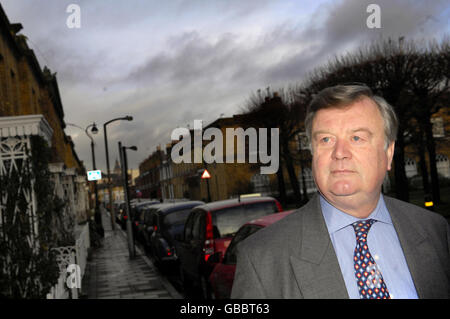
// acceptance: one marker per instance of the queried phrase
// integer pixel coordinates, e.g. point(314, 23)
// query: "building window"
point(443, 165)
point(410, 167)
point(309, 180)
point(260, 183)
point(438, 126)
point(302, 142)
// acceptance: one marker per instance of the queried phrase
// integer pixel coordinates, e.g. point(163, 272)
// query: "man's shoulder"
point(414, 212)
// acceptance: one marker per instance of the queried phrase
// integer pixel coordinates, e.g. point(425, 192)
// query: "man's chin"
point(343, 191)
point(340, 196)
point(344, 200)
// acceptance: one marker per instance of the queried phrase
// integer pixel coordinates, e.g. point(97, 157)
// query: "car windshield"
point(176, 217)
point(228, 220)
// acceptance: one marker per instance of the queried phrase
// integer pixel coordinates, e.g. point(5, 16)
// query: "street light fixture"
point(111, 207)
point(97, 215)
point(124, 164)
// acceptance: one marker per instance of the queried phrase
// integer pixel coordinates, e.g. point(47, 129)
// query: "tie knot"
point(362, 228)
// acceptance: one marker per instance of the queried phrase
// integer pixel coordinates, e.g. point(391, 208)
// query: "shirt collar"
point(336, 219)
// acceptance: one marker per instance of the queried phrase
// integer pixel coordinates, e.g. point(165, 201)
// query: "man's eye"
point(356, 138)
point(325, 139)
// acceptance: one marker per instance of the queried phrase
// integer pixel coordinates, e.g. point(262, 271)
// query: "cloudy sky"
point(169, 62)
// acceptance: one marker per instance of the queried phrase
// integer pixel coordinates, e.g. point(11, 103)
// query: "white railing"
point(65, 256)
point(59, 290)
point(71, 255)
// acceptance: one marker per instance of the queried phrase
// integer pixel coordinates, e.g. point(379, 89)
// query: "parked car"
point(122, 213)
point(168, 221)
point(222, 276)
point(145, 226)
point(137, 220)
point(209, 230)
point(142, 222)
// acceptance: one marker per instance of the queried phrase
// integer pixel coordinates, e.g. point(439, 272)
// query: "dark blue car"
point(167, 221)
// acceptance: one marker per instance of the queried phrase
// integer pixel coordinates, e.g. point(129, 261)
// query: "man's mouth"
point(342, 171)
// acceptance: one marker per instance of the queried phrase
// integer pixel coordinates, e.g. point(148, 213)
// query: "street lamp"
point(111, 207)
point(97, 215)
point(124, 164)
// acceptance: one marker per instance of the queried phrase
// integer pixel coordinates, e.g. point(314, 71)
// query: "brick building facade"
point(30, 104)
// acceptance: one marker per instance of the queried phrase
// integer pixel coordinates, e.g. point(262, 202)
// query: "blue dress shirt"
point(384, 246)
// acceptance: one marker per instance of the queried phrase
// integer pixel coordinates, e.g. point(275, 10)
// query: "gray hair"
point(340, 96)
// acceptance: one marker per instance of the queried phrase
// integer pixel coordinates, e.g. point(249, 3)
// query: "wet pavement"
point(111, 274)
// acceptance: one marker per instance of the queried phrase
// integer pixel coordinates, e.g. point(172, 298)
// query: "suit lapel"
point(315, 264)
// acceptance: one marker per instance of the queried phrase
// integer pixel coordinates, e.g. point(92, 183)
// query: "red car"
point(208, 231)
point(222, 276)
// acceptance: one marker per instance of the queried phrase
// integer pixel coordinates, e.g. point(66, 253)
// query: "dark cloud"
point(168, 63)
point(338, 28)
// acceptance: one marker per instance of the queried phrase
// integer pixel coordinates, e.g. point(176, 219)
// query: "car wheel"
point(186, 284)
point(206, 291)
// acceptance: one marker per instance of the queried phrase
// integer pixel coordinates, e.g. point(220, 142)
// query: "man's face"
point(349, 159)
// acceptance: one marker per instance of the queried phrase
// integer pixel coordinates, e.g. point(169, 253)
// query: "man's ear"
point(390, 155)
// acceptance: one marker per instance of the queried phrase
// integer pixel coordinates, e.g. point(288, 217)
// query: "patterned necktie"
point(368, 276)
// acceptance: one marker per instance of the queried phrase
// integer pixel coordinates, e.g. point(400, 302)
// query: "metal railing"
point(71, 255)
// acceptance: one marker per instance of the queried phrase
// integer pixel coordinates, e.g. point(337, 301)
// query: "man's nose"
point(341, 150)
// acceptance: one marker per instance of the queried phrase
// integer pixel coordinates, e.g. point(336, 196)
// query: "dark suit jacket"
point(294, 258)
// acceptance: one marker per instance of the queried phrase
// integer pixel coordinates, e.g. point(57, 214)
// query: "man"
point(348, 241)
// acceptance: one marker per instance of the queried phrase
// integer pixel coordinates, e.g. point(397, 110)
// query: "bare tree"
point(285, 111)
point(429, 83)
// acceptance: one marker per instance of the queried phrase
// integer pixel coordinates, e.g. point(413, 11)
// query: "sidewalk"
point(112, 275)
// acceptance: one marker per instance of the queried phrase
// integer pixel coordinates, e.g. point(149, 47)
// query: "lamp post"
point(97, 215)
point(124, 164)
point(111, 207)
